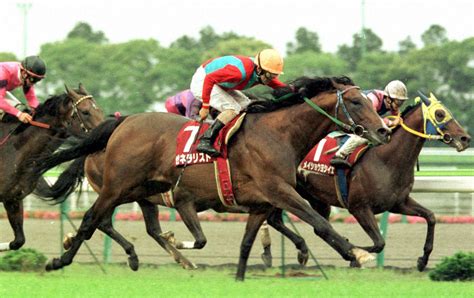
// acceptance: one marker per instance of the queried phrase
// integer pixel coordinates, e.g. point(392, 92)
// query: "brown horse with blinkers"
point(383, 179)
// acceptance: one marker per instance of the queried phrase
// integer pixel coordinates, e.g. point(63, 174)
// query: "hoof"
point(302, 258)
point(67, 241)
point(133, 263)
point(421, 264)
point(267, 260)
point(188, 265)
point(51, 265)
point(355, 264)
point(362, 256)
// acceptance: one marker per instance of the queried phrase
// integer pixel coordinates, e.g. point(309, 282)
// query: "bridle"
point(432, 129)
point(352, 126)
point(75, 110)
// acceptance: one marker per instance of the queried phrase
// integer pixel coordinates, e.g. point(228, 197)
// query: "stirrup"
point(208, 149)
point(340, 163)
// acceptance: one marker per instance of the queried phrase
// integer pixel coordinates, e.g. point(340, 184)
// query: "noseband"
point(75, 111)
point(353, 127)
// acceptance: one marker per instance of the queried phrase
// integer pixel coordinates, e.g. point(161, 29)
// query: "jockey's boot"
point(340, 162)
point(208, 138)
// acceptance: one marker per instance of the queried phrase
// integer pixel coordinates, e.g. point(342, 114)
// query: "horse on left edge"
point(72, 113)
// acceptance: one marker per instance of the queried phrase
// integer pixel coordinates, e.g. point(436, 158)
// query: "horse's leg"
point(107, 227)
point(411, 207)
point(153, 228)
point(254, 222)
point(366, 219)
point(102, 208)
point(190, 218)
point(322, 208)
point(275, 219)
point(15, 217)
point(266, 244)
point(289, 200)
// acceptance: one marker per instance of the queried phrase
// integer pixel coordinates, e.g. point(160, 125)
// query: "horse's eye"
point(85, 113)
point(440, 115)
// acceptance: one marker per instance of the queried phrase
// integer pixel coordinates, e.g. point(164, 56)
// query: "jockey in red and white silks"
point(218, 82)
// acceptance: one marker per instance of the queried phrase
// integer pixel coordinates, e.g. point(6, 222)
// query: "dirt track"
point(404, 243)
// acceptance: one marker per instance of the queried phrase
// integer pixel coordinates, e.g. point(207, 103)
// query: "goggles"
point(269, 75)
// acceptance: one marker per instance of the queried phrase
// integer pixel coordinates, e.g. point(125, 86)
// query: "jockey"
point(387, 101)
point(25, 74)
point(184, 103)
point(217, 83)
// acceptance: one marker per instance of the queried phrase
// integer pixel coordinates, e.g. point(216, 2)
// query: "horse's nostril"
point(465, 139)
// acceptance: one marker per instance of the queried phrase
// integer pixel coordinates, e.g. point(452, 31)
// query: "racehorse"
point(71, 113)
point(383, 178)
point(263, 161)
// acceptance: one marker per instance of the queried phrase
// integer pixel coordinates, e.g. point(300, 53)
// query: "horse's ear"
point(424, 98)
point(71, 92)
point(82, 89)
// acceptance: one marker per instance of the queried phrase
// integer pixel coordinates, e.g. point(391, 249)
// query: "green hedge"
point(458, 267)
point(25, 259)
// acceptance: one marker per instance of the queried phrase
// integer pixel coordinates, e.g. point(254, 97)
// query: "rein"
point(417, 133)
point(352, 126)
point(47, 126)
point(32, 122)
point(420, 134)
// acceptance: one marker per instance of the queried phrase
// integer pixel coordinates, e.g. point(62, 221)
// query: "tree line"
point(132, 76)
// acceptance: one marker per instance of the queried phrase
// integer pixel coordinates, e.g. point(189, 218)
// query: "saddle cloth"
point(187, 155)
point(318, 160)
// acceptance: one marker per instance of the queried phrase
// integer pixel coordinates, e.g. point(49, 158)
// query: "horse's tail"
point(66, 183)
point(95, 141)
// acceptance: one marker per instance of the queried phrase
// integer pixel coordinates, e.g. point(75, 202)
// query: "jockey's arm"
point(276, 83)
point(31, 98)
point(5, 106)
point(229, 74)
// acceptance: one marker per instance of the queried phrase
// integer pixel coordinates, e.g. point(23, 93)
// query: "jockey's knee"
point(227, 115)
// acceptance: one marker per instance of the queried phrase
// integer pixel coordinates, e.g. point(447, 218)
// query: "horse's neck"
point(301, 126)
point(32, 142)
point(405, 147)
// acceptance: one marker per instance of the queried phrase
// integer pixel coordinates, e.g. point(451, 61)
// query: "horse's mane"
point(50, 107)
point(409, 109)
point(308, 87)
point(406, 112)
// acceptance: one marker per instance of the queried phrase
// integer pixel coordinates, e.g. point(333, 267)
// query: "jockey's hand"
point(396, 121)
point(203, 113)
point(25, 117)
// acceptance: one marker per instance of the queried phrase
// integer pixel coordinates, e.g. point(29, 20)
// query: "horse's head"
point(75, 112)
point(439, 121)
point(84, 111)
point(356, 111)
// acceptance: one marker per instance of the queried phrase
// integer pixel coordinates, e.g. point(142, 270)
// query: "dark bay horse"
point(383, 179)
point(67, 114)
point(263, 156)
